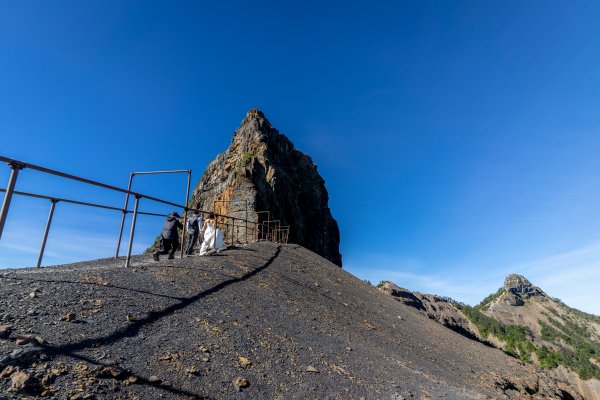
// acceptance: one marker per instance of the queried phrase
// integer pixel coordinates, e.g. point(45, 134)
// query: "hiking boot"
point(171, 256)
point(155, 256)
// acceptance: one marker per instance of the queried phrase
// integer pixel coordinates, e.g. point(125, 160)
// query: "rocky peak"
point(255, 127)
point(518, 284)
point(263, 168)
point(519, 289)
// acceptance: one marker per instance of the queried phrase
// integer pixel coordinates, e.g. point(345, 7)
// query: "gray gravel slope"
point(259, 322)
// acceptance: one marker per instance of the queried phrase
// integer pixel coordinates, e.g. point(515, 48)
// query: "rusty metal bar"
point(133, 221)
point(15, 167)
point(48, 223)
point(270, 234)
point(261, 236)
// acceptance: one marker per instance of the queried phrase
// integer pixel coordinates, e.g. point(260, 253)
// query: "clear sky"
point(459, 140)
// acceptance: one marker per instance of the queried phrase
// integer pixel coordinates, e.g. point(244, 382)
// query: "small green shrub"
point(247, 158)
point(485, 303)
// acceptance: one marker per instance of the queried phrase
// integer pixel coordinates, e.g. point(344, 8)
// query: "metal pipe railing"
point(82, 203)
point(16, 166)
point(43, 247)
point(84, 180)
point(133, 221)
point(124, 214)
point(185, 208)
point(187, 199)
point(55, 200)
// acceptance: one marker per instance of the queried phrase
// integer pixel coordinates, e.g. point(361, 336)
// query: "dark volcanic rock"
point(263, 167)
point(518, 289)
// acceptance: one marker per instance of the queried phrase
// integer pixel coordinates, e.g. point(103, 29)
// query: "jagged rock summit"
point(518, 289)
point(262, 166)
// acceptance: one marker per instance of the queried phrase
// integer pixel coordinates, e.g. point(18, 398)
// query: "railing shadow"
point(133, 329)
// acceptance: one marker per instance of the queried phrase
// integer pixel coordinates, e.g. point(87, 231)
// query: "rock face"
point(518, 289)
point(436, 308)
point(262, 170)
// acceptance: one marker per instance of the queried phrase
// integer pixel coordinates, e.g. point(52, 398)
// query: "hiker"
point(169, 236)
point(212, 237)
point(193, 228)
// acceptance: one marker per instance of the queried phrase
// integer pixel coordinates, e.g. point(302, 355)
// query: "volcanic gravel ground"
point(259, 322)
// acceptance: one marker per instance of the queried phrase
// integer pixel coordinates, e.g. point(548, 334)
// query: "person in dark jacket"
point(169, 236)
point(193, 228)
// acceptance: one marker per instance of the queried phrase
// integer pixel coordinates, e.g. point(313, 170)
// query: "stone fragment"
point(310, 368)
point(130, 380)
point(81, 368)
point(8, 371)
point(154, 379)
point(23, 382)
point(192, 370)
point(25, 339)
point(241, 382)
point(48, 379)
point(245, 362)
point(112, 372)
point(131, 318)
point(70, 317)
point(48, 392)
point(370, 325)
point(5, 331)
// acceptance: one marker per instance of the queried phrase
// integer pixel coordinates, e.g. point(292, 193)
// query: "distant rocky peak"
point(519, 289)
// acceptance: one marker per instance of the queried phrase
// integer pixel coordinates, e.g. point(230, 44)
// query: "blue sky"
point(458, 139)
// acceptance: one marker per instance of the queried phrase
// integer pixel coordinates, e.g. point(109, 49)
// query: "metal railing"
point(187, 196)
point(259, 230)
point(54, 201)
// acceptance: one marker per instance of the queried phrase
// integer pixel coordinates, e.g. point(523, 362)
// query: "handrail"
point(22, 164)
point(82, 203)
point(17, 165)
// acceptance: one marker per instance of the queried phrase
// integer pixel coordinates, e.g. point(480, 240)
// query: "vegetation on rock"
point(517, 337)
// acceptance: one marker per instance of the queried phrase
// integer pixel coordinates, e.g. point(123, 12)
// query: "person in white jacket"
point(213, 237)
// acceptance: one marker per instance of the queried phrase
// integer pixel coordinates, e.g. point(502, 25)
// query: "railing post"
point(232, 231)
point(187, 197)
point(43, 247)
point(124, 215)
point(133, 220)
point(246, 222)
point(15, 167)
point(215, 234)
